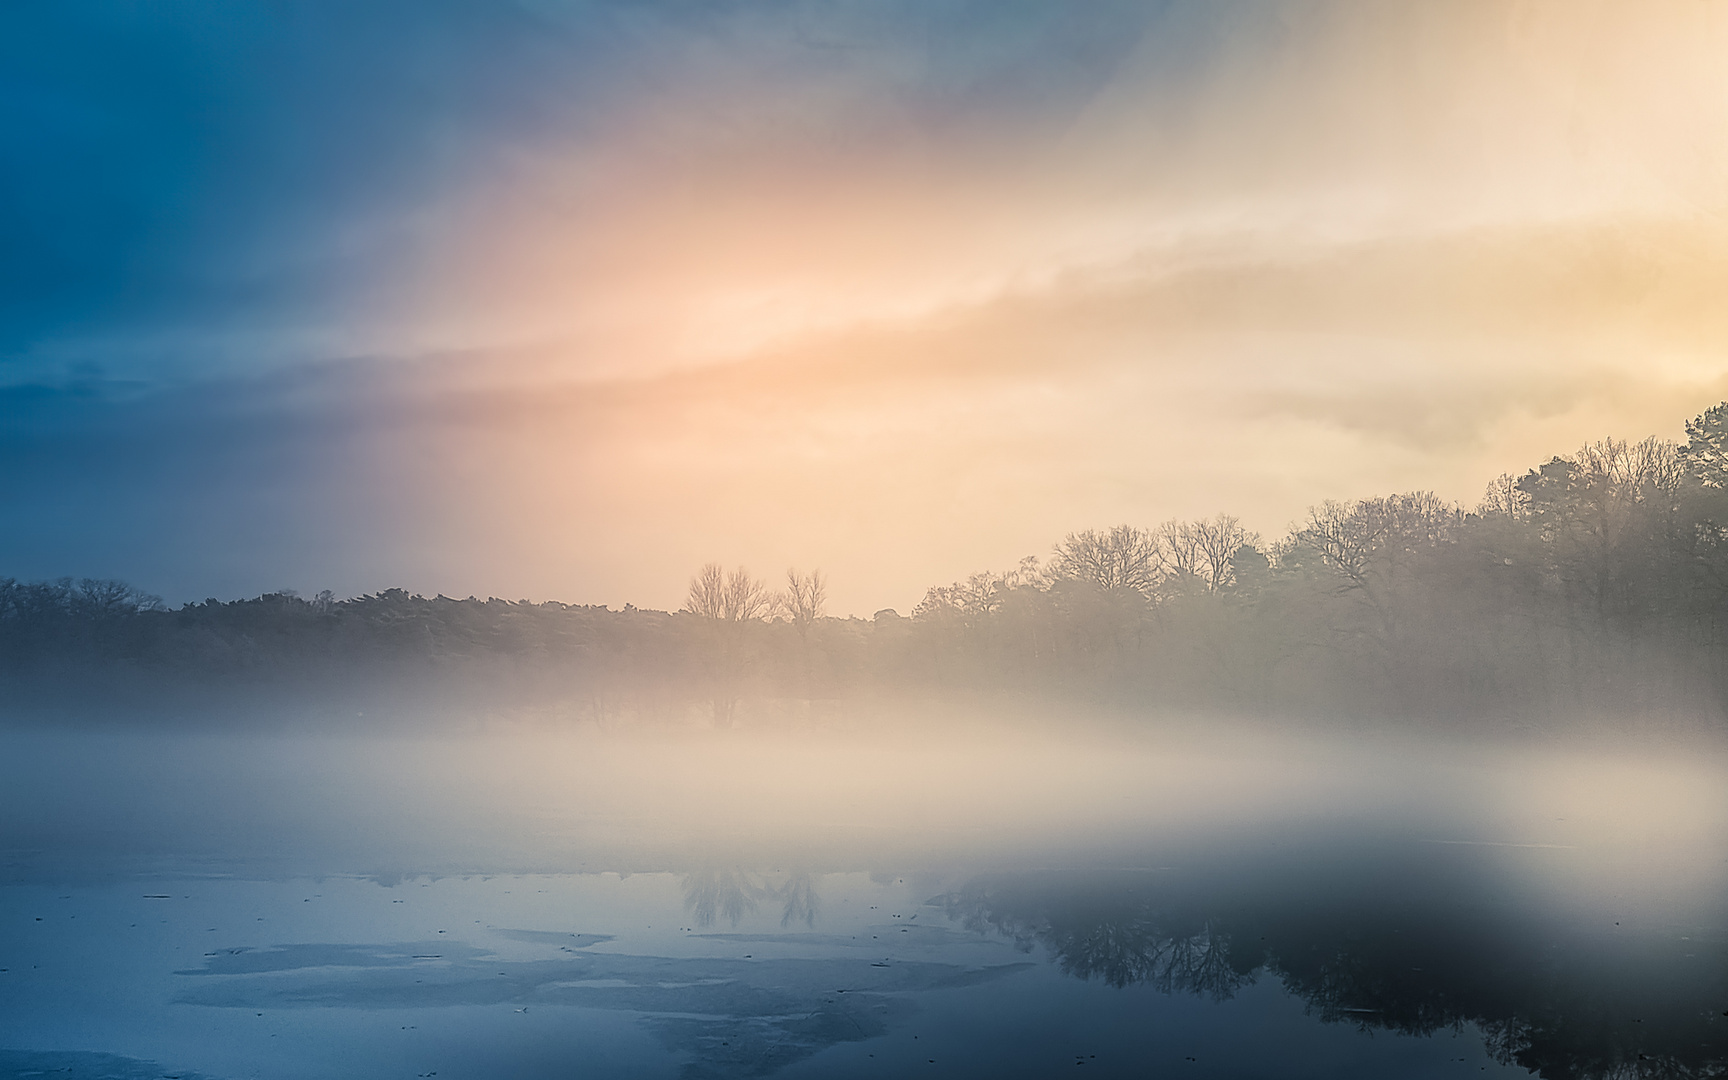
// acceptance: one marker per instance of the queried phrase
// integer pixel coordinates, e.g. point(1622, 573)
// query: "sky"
point(560, 299)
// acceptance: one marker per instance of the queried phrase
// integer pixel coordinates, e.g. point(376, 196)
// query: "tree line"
point(1592, 587)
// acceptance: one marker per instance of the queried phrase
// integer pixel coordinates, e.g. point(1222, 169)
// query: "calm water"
point(519, 907)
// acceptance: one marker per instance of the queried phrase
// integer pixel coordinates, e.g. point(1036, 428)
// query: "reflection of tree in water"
point(1141, 952)
point(729, 893)
point(733, 894)
point(1121, 943)
point(1563, 1007)
point(798, 893)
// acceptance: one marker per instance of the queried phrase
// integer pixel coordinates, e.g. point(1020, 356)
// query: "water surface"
point(525, 906)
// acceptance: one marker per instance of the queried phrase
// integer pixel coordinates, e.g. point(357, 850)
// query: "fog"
point(676, 902)
point(1585, 598)
point(784, 538)
point(1171, 794)
point(916, 795)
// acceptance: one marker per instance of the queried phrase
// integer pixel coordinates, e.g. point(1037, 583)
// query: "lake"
point(974, 903)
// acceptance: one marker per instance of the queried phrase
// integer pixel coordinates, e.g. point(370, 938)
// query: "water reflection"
point(1395, 952)
point(860, 974)
point(1120, 938)
point(801, 902)
point(733, 894)
point(275, 916)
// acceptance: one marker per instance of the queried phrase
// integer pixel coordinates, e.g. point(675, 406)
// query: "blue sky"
point(199, 188)
point(563, 299)
point(179, 176)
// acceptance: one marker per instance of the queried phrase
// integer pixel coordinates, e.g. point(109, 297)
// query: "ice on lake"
point(518, 905)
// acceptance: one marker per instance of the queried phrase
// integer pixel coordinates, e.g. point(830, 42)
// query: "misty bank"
point(1590, 593)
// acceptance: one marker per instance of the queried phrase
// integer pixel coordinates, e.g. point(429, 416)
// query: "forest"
point(1591, 590)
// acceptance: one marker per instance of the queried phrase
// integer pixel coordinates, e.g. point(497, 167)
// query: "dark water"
point(230, 909)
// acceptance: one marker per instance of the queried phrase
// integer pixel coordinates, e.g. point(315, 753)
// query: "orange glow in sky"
point(846, 286)
point(772, 317)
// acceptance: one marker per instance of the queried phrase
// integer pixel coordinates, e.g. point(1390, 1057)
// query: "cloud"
point(214, 488)
point(565, 299)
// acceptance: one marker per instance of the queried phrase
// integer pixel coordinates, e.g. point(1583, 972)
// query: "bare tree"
point(729, 598)
point(708, 592)
point(1643, 470)
point(1199, 553)
point(1179, 556)
point(980, 594)
point(1614, 482)
point(1605, 512)
point(1375, 537)
point(100, 598)
point(729, 602)
point(1216, 543)
point(1372, 545)
point(747, 598)
point(1504, 498)
point(1121, 559)
point(803, 600)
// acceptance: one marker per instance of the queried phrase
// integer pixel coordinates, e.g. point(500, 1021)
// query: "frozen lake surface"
point(515, 906)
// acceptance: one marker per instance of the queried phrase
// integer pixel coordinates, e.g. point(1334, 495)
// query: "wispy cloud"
point(898, 289)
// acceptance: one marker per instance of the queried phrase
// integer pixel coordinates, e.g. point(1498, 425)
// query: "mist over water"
point(529, 801)
point(1411, 791)
point(1004, 901)
point(863, 538)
